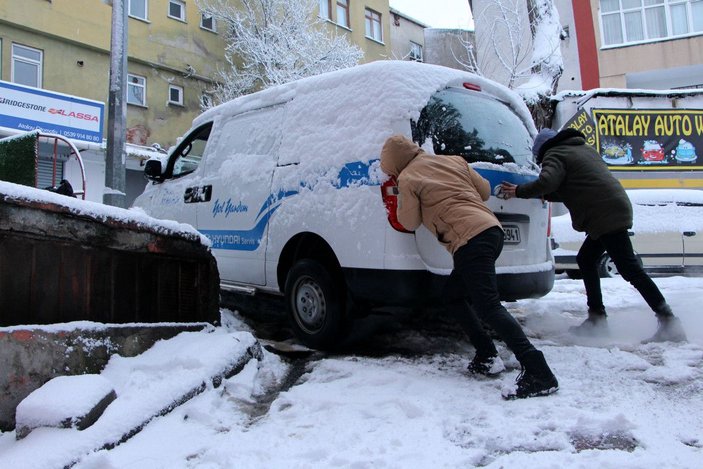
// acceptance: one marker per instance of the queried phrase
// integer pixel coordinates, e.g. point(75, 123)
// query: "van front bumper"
point(422, 288)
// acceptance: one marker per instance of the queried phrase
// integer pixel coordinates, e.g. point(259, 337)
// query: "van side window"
point(187, 156)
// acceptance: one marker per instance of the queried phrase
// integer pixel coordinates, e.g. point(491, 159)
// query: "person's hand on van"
point(507, 190)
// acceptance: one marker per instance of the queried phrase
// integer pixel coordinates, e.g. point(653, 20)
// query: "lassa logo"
point(76, 115)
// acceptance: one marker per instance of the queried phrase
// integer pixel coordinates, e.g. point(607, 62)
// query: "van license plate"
point(511, 234)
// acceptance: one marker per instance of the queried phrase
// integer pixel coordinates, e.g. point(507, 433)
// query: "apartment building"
point(62, 48)
point(632, 79)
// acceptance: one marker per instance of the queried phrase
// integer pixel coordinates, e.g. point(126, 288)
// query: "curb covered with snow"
point(147, 386)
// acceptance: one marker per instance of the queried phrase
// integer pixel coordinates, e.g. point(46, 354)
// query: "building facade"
point(635, 44)
point(407, 37)
point(175, 54)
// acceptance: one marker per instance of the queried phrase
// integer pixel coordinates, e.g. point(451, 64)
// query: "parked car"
point(286, 183)
point(667, 234)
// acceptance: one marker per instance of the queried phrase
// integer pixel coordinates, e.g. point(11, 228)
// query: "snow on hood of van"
point(347, 115)
point(100, 211)
point(654, 211)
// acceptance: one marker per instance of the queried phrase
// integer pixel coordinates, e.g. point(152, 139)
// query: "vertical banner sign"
point(649, 139)
point(26, 108)
point(582, 122)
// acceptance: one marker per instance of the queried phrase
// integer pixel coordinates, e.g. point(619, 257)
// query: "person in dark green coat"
point(572, 172)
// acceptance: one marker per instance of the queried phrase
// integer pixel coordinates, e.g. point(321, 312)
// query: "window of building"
point(136, 90)
point(343, 13)
point(633, 21)
point(325, 9)
point(374, 30)
point(415, 51)
point(206, 101)
point(138, 9)
point(27, 65)
point(207, 22)
point(175, 95)
point(177, 9)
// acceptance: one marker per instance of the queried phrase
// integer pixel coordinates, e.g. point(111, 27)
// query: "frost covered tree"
point(270, 42)
point(519, 45)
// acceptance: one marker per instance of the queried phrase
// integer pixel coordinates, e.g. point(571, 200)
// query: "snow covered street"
point(412, 405)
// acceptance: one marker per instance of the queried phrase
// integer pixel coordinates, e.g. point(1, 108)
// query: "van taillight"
point(471, 86)
point(549, 221)
point(389, 193)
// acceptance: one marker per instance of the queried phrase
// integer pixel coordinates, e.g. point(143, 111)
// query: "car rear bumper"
point(421, 288)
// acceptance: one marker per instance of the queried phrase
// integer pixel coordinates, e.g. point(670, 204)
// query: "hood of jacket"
point(567, 136)
point(397, 153)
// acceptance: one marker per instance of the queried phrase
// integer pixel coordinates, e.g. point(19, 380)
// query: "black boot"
point(535, 379)
point(670, 328)
point(595, 325)
point(486, 365)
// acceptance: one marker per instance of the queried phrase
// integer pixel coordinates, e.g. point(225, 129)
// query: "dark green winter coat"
point(573, 173)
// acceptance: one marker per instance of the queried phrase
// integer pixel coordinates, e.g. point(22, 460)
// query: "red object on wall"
point(586, 42)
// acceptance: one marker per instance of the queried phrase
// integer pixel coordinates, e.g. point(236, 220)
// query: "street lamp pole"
point(117, 109)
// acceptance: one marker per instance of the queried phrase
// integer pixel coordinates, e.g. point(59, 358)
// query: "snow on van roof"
point(357, 108)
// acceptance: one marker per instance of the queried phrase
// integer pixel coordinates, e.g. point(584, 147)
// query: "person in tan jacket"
point(448, 196)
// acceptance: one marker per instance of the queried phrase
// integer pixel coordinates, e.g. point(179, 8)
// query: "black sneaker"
point(595, 325)
point(669, 330)
point(531, 385)
point(486, 366)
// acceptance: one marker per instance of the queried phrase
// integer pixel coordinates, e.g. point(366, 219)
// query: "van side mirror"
point(152, 170)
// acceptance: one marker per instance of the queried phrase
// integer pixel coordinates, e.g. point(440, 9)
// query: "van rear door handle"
point(197, 194)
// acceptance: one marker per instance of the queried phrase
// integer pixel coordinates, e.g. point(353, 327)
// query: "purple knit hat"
point(541, 139)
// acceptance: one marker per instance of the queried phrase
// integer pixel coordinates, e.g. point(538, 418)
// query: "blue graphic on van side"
point(356, 173)
point(495, 177)
point(247, 240)
point(351, 174)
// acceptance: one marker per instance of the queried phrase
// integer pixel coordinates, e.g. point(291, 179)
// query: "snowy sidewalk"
point(147, 386)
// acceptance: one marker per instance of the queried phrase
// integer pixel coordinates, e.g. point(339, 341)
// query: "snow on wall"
point(100, 211)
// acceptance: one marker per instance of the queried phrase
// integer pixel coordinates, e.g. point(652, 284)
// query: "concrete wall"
point(29, 357)
point(405, 30)
point(448, 47)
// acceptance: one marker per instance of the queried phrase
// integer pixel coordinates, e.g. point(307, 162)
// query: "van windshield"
point(476, 127)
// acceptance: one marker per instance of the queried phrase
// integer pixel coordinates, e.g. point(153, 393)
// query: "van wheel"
point(315, 305)
point(606, 267)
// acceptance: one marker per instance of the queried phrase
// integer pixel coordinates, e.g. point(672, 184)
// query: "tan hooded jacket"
point(441, 192)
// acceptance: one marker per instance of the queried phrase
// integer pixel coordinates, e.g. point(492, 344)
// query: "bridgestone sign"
point(25, 108)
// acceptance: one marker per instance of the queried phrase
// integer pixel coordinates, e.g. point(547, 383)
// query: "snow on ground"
point(620, 404)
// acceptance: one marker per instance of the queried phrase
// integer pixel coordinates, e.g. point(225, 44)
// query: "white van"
point(287, 186)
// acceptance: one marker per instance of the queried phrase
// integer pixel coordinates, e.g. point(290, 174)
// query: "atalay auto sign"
point(631, 139)
point(25, 108)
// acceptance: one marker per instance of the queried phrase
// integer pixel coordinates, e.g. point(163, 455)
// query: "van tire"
point(606, 267)
point(316, 305)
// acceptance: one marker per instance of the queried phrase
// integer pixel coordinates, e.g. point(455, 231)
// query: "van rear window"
point(474, 126)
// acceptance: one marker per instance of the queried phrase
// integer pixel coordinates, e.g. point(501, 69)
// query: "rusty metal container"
point(57, 266)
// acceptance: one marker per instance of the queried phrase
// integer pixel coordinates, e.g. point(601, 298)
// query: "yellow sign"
point(649, 139)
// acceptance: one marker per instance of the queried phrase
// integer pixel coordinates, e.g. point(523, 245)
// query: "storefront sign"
point(643, 139)
point(26, 108)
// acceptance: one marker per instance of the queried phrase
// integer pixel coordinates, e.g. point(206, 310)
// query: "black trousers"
point(619, 248)
point(472, 293)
